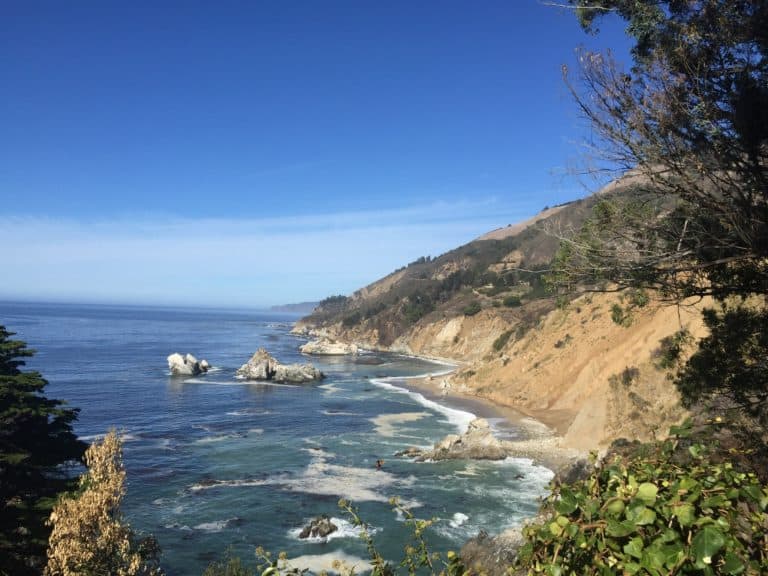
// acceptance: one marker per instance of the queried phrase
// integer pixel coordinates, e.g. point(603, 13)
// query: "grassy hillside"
point(502, 274)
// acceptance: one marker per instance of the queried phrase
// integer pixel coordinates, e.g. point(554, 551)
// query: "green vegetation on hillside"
point(449, 284)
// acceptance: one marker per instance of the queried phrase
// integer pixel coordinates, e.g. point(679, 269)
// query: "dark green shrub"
point(620, 316)
point(668, 354)
point(416, 306)
point(502, 340)
point(472, 308)
point(512, 301)
point(352, 319)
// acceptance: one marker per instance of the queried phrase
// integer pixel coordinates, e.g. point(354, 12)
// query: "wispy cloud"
point(230, 261)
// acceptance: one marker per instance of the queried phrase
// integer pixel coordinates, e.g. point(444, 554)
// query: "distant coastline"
point(299, 308)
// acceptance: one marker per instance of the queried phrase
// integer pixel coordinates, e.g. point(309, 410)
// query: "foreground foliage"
point(674, 507)
point(417, 557)
point(690, 120)
point(37, 445)
point(89, 536)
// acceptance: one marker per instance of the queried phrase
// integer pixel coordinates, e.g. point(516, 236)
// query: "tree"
point(37, 447)
point(688, 127)
point(689, 122)
point(89, 536)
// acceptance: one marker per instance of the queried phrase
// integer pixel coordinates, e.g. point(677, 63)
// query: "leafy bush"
point(626, 377)
point(620, 316)
point(731, 362)
point(512, 301)
point(416, 306)
point(639, 298)
point(670, 348)
point(334, 302)
point(673, 509)
point(472, 308)
point(502, 340)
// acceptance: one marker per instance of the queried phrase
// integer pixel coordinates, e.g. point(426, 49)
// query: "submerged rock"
point(477, 443)
point(328, 347)
point(186, 365)
point(263, 366)
point(319, 527)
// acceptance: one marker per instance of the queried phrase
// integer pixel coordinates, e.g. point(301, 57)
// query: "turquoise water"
point(216, 463)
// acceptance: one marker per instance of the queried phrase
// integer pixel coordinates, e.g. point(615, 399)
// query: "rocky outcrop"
point(328, 347)
point(186, 365)
point(492, 555)
point(477, 443)
point(263, 366)
point(319, 527)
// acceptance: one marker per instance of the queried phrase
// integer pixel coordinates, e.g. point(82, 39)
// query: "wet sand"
point(525, 435)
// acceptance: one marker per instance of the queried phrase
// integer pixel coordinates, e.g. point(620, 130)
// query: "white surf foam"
point(124, 437)
point(458, 519)
point(216, 525)
point(459, 418)
point(339, 413)
point(249, 412)
point(330, 388)
point(226, 484)
point(224, 437)
point(345, 529)
point(338, 562)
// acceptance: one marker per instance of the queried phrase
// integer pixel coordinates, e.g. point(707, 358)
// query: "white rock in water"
point(328, 347)
point(186, 365)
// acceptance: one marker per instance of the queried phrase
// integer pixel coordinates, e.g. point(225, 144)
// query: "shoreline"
point(542, 434)
point(538, 441)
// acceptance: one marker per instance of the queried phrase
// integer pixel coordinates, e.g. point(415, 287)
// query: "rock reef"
point(319, 527)
point(263, 366)
point(477, 443)
point(328, 347)
point(186, 365)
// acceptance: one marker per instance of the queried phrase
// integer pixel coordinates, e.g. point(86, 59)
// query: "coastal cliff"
point(588, 373)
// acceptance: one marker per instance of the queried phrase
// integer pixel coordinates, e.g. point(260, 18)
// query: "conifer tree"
point(37, 448)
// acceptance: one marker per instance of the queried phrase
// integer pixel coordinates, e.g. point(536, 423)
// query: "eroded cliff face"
point(587, 377)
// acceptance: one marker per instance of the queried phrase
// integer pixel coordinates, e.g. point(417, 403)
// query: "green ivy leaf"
point(567, 503)
point(647, 492)
point(733, 564)
point(620, 529)
point(685, 514)
point(707, 542)
point(645, 517)
point(634, 548)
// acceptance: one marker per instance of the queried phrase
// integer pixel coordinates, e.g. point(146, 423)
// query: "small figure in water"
point(379, 464)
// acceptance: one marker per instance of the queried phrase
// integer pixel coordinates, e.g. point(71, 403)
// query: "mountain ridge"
point(485, 306)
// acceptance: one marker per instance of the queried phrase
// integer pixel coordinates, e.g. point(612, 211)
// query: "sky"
point(254, 153)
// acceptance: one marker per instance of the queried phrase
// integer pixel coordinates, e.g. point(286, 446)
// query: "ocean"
point(215, 464)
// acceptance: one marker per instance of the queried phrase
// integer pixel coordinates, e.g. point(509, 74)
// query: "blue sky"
point(252, 153)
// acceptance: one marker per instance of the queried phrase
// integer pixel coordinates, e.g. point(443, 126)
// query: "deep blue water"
point(216, 463)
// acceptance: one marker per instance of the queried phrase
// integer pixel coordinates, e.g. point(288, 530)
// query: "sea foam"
point(459, 418)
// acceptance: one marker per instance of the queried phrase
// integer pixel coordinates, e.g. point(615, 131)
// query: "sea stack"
point(186, 365)
point(263, 366)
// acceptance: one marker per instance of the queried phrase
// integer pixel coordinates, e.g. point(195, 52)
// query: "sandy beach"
point(538, 436)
